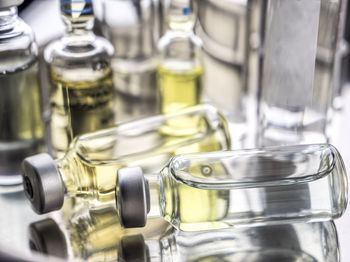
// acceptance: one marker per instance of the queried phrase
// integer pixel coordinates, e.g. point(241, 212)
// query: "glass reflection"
point(96, 235)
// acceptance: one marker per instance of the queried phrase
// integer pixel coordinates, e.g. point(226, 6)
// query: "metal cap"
point(42, 183)
point(46, 237)
point(132, 197)
point(9, 3)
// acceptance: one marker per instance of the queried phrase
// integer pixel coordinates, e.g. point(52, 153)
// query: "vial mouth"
point(28, 188)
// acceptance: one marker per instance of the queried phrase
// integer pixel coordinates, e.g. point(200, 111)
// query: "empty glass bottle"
point(180, 72)
point(82, 93)
point(89, 168)
point(290, 65)
point(21, 122)
point(273, 185)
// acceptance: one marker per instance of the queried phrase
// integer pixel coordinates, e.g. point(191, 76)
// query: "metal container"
point(221, 24)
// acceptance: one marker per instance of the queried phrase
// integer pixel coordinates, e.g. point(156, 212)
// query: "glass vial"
point(21, 121)
point(292, 45)
point(80, 74)
point(237, 188)
point(180, 72)
point(89, 168)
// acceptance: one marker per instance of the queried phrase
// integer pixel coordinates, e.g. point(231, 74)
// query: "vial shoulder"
point(79, 62)
point(72, 48)
point(18, 51)
point(19, 38)
point(174, 38)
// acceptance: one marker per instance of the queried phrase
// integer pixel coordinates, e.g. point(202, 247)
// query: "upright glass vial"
point(89, 168)
point(290, 64)
point(82, 93)
point(21, 123)
point(262, 187)
point(180, 72)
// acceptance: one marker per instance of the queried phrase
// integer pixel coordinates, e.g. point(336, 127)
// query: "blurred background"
point(241, 47)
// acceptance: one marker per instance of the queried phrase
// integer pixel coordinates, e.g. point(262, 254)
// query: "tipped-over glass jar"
point(89, 168)
point(235, 188)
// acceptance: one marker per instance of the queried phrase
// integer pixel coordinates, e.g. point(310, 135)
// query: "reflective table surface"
point(96, 235)
point(79, 233)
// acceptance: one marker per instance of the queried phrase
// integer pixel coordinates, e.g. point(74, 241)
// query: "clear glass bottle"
point(273, 185)
point(89, 168)
point(290, 63)
point(21, 121)
point(180, 72)
point(80, 74)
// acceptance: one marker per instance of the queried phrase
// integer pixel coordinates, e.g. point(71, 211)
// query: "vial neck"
point(155, 195)
point(78, 17)
point(66, 172)
point(8, 20)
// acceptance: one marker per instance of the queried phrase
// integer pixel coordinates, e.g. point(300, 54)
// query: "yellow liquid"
point(93, 175)
point(196, 208)
point(96, 238)
point(78, 108)
point(95, 235)
point(178, 89)
point(96, 179)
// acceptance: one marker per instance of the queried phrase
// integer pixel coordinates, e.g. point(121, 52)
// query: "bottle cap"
point(46, 237)
point(42, 183)
point(132, 197)
point(186, 11)
point(9, 3)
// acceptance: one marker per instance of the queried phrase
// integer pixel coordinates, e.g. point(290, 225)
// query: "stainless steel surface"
point(221, 24)
point(132, 28)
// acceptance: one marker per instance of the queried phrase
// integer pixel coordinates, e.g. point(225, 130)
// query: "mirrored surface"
point(80, 232)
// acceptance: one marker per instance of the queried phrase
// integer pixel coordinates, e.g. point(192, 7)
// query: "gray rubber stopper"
point(46, 237)
point(42, 183)
point(9, 3)
point(132, 197)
